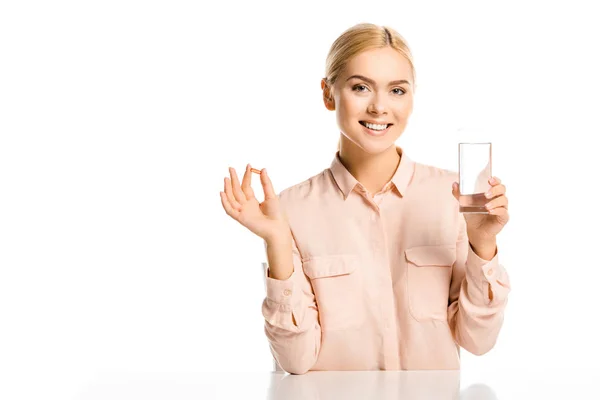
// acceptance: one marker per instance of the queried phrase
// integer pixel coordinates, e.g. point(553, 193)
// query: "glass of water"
point(474, 172)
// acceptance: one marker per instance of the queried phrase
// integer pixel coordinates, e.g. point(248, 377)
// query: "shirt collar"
point(346, 182)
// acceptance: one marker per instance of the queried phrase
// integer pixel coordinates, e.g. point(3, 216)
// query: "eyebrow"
point(372, 82)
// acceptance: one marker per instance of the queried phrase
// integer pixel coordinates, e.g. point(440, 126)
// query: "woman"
point(371, 264)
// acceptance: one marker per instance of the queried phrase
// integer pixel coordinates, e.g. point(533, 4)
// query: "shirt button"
point(490, 271)
point(287, 292)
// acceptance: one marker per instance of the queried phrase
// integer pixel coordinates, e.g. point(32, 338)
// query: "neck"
point(373, 171)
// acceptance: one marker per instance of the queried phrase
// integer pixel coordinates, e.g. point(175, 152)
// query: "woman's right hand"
point(264, 219)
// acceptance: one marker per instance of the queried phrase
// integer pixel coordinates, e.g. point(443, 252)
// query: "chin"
point(371, 146)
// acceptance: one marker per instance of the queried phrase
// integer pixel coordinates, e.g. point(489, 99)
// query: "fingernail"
point(492, 180)
point(488, 194)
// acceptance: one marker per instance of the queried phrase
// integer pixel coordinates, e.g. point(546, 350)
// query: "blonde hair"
point(359, 38)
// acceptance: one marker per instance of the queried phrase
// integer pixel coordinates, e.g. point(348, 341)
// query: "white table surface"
point(517, 383)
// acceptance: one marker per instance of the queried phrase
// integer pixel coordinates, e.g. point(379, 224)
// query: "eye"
point(402, 91)
point(356, 87)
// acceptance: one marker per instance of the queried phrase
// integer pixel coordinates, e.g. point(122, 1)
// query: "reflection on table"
point(381, 385)
point(346, 385)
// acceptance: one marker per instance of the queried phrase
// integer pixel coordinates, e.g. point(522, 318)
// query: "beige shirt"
point(381, 282)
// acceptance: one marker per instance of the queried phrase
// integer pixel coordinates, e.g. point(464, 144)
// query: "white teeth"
point(375, 127)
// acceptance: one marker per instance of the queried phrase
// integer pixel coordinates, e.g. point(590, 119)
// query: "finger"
point(227, 206)
point(229, 194)
point(267, 185)
point(500, 211)
point(495, 191)
point(237, 190)
point(501, 201)
point(494, 180)
point(246, 183)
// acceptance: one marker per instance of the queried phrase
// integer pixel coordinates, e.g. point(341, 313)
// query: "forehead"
point(384, 64)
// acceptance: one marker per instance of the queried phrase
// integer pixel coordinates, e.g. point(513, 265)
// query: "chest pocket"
point(429, 272)
point(338, 287)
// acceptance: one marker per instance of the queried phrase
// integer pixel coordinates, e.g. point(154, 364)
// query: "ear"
point(327, 97)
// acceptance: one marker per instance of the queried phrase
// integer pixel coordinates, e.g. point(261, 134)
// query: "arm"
point(478, 295)
point(290, 311)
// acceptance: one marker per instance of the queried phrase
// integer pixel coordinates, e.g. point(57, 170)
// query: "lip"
point(375, 133)
point(375, 122)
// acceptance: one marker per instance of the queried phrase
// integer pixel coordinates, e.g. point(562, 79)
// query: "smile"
point(375, 129)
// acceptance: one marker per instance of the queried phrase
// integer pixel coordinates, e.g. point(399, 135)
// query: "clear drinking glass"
point(474, 171)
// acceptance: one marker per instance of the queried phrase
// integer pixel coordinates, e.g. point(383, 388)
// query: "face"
point(372, 100)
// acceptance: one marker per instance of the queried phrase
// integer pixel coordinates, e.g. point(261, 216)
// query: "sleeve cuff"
point(279, 291)
point(490, 272)
point(280, 307)
point(478, 266)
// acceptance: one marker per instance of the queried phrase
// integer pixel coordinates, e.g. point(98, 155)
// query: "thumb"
point(267, 185)
point(455, 189)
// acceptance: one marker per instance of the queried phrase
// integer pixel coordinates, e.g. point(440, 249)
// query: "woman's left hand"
point(483, 228)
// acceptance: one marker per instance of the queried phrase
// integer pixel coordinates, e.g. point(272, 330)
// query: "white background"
point(118, 120)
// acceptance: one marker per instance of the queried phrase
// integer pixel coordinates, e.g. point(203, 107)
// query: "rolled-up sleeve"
point(291, 319)
point(478, 296)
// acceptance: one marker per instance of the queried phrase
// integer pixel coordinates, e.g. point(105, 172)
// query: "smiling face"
point(373, 98)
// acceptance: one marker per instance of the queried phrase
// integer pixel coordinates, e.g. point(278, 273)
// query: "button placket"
point(377, 233)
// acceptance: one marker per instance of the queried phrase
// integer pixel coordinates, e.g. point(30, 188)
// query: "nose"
point(377, 105)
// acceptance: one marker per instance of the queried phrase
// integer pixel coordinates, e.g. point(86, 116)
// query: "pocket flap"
point(325, 266)
point(443, 256)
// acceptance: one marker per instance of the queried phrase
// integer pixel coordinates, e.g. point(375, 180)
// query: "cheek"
point(352, 106)
point(403, 109)
point(407, 104)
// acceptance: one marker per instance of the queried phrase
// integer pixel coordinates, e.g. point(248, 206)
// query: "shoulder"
point(310, 188)
point(426, 173)
point(432, 182)
point(430, 192)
